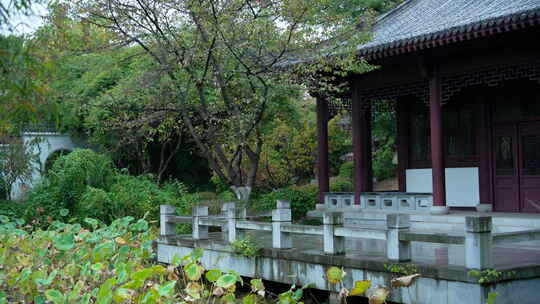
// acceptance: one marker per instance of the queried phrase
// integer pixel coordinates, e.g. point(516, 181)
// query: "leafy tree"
point(98, 89)
point(16, 159)
point(219, 62)
point(9, 7)
point(23, 87)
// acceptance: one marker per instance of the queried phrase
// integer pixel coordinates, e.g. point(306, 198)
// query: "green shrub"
point(95, 203)
point(136, 195)
point(73, 173)
point(11, 209)
point(66, 183)
point(3, 189)
point(43, 204)
point(246, 246)
point(86, 184)
point(346, 170)
point(303, 199)
point(341, 185)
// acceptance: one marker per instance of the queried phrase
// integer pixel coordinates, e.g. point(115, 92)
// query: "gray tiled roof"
point(418, 20)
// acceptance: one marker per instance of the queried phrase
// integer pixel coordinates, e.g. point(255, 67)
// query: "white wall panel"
point(462, 185)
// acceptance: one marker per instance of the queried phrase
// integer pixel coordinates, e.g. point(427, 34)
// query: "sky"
point(25, 24)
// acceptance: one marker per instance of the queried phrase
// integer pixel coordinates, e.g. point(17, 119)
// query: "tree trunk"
point(243, 193)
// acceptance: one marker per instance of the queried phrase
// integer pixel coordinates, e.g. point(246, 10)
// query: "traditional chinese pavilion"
point(464, 76)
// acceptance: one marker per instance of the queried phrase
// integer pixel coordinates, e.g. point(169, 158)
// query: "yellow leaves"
point(360, 287)
point(120, 241)
point(335, 275)
point(193, 289)
point(378, 295)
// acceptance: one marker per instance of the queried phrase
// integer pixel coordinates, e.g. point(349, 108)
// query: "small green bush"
point(11, 209)
point(246, 246)
point(136, 195)
point(96, 203)
point(3, 189)
point(341, 185)
point(346, 170)
point(72, 173)
point(303, 199)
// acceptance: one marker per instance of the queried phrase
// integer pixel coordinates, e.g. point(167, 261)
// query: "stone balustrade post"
point(332, 244)
point(166, 228)
point(281, 215)
point(233, 215)
point(199, 232)
point(224, 213)
point(397, 250)
point(478, 242)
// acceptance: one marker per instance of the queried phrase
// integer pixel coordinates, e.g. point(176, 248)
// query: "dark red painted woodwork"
point(529, 166)
point(361, 138)
point(506, 181)
point(322, 141)
point(489, 63)
point(437, 152)
point(483, 148)
point(402, 122)
point(517, 188)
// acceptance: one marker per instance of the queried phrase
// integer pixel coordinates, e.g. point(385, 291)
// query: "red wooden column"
point(322, 141)
point(402, 117)
point(484, 144)
point(437, 152)
point(361, 140)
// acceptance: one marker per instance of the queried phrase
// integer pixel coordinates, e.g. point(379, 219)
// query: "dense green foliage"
point(86, 184)
point(302, 198)
point(69, 263)
point(384, 133)
point(346, 170)
point(23, 84)
point(341, 185)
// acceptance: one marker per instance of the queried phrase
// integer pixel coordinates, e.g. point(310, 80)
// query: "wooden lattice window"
point(420, 146)
point(460, 123)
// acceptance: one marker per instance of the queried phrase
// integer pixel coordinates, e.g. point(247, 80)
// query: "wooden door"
point(529, 166)
point(506, 176)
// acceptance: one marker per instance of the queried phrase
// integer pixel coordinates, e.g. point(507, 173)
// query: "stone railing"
point(386, 201)
point(478, 238)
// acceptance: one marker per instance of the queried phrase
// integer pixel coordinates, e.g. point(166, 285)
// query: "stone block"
point(398, 221)
point(333, 218)
point(283, 204)
point(281, 215)
point(478, 224)
point(406, 203)
point(332, 201)
point(389, 202)
point(167, 209)
point(347, 201)
point(199, 211)
point(371, 202)
point(236, 213)
point(227, 206)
